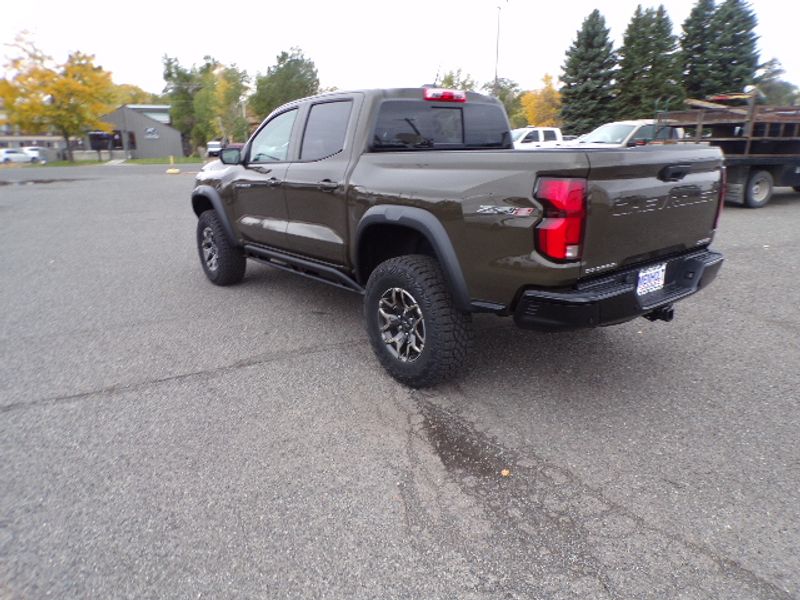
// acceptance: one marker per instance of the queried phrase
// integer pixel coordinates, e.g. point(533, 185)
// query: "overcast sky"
point(354, 43)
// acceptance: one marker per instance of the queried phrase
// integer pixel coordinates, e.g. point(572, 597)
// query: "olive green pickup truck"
point(416, 199)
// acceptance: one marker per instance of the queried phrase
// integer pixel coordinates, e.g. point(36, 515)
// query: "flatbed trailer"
point(761, 145)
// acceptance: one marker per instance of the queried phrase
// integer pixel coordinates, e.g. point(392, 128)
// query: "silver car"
point(13, 155)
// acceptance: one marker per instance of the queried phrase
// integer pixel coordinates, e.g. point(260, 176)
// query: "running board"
point(306, 268)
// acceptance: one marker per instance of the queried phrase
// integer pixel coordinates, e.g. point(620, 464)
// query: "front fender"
point(202, 196)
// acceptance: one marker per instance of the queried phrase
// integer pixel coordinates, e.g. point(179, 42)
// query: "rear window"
point(421, 125)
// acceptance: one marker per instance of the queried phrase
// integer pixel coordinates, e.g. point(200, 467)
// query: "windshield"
point(610, 133)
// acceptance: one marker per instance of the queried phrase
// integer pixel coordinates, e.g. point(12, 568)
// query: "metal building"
point(141, 131)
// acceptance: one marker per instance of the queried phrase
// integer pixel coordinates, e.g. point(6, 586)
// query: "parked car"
point(37, 154)
point(213, 148)
point(527, 138)
point(621, 134)
point(416, 200)
point(13, 155)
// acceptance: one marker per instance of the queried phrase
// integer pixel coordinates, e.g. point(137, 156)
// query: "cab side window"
point(272, 142)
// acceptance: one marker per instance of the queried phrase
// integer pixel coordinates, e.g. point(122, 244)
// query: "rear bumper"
point(612, 299)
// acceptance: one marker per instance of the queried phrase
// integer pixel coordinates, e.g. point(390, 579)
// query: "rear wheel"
point(418, 335)
point(759, 189)
point(223, 263)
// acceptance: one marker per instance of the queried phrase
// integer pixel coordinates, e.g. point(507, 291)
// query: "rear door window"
point(325, 130)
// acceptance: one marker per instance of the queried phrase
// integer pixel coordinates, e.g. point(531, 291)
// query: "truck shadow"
point(592, 369)
point(604, 359)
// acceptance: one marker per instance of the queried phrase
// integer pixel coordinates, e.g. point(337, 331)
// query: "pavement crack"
point(561, 526)
point(259, 359)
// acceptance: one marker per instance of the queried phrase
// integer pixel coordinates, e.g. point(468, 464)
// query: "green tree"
point(696, 40)
point(509, 93)
point(649, 68)
point(68, 98)
point(205, 104)
point(206, 101)
point(542, 106)
point(732, 53)
point(293, 76)
point(231, 90)
point(775, 90)
point(587, 93)
point(181, 86)
point(456, 80)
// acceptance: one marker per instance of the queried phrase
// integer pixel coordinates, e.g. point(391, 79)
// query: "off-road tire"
point(447, 331)
point(230, 263)
point(759, 189)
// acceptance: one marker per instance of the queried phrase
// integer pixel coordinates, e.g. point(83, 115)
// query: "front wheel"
point(416, 332)
point(759, 189)
point(223, 263)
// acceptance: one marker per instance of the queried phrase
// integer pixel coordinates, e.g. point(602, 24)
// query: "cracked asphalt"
point(164, 438)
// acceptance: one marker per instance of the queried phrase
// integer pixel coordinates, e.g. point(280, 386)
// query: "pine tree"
point(649, 70)
point(588, 76)
point(732, 53)
point(666, 85)
point(695, 43)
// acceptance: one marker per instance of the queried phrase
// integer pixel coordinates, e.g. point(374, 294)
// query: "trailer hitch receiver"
point(665, 313)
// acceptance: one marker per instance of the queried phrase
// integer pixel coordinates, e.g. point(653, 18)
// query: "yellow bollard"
point(172, 170)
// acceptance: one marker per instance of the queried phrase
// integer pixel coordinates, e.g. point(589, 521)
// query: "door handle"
point(326, 185)
point(273, 182)
point(674, 172)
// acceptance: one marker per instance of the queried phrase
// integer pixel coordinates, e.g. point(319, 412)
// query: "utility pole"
point(497, 51)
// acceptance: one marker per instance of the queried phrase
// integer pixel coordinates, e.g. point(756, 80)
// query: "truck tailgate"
point(649, 202)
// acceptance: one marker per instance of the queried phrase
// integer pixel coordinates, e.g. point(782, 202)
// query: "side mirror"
point(230, 156)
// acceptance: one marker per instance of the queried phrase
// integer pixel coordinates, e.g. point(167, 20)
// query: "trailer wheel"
point(759, 189)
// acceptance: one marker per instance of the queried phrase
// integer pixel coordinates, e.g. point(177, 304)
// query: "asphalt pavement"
point(165, 438)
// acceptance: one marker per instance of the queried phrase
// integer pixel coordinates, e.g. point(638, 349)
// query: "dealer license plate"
point(651, 279)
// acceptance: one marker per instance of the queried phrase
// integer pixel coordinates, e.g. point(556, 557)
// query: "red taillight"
point(723, 189)
point(560, 233)
point(443, 95)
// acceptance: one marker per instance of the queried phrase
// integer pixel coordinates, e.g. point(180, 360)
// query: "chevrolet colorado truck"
point(415, 199)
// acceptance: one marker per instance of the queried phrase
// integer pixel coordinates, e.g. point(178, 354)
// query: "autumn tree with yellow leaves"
point(542, 107)
point(70, 98)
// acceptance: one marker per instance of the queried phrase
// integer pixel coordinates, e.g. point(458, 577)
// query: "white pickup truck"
point(528, 138)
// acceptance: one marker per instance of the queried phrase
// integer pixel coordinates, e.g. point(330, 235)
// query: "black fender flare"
point(429, 226)
point(209, 193)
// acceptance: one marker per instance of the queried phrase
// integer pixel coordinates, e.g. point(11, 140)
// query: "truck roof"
point(393, 93)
